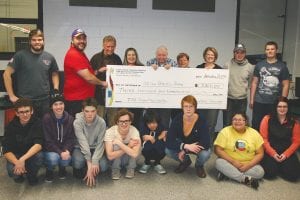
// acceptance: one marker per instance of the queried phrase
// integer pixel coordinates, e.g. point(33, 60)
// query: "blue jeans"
point(79, 161)
point(233, 106)
point(52, 159)
point(32, 166)
point(202, 156)
point(123, 161)
point(259, 111)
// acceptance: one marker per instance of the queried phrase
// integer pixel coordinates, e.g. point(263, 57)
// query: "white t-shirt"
point(112, 133)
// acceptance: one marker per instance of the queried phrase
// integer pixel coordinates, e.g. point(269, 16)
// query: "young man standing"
point(80, 80)
point(240, 74)
point(22, 143)
point(32, 68)
point(88, 155)
point(270, 80)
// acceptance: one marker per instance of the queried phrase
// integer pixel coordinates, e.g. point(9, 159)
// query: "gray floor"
point(149, 186)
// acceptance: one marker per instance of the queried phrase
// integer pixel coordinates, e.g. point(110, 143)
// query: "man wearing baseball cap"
point(80, 80)
point(240, 74)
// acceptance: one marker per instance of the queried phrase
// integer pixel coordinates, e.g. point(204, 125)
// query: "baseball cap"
point(78, 32)
point(239, 47)
point(56, 96)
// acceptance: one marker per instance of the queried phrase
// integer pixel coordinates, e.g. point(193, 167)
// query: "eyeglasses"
point(123, 122)
point(238, 120)
point(25, 112)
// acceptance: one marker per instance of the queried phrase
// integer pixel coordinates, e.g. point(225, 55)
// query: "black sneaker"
point(19, 179)
point(252, 182)
point(49, 176)
point(220, 176)
point(62, 173)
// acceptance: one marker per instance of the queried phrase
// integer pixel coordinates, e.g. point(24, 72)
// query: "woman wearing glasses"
point(239, 149)
point(281, 134)
point(122, 144)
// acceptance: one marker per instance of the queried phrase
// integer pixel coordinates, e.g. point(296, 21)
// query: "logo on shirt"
point(46, 62)
point(240, 145)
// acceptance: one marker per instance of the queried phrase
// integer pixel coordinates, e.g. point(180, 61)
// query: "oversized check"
point(144, 87)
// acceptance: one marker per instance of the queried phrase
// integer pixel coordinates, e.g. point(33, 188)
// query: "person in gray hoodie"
point(88, 156)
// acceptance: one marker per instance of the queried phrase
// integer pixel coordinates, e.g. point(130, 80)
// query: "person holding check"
point(188, 134)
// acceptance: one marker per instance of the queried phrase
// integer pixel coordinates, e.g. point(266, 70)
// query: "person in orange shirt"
point(281, 134)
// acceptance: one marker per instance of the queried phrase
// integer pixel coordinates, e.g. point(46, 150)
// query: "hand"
point(251, 104)
point(149, 138)
point(102, 69)
point(181, 155)
point(244, 167)
point(277, 157)
point(104, 84)
point(95, 170)
point(19, 168)
point(13, 99)
point(163, 136)
point(133, 142)
point(89, 178)
point(282, 157)
point(154, 66)
point(167, 66)
point(194, 147)
point(65, 155)
point(237, 164)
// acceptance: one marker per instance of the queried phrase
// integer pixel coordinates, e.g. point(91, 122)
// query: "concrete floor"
point(149, 186)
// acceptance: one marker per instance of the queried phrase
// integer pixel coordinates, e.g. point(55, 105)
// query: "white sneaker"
point(115, 174)
point(144, 169)
point(129, 173)
point(160, 169)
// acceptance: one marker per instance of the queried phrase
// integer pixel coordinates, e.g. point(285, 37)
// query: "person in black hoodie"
point(59, 137)
point(22, 143)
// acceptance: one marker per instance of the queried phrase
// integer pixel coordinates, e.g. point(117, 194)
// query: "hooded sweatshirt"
point(90, 137)
point(58, 133)
point(240, 75)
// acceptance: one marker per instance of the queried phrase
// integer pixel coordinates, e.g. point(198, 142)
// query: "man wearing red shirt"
point(79, 77)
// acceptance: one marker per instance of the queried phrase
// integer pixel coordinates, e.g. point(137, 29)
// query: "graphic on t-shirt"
point(269, 83)
point(240, 145)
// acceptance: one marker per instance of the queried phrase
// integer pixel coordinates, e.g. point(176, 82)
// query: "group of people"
point(76, 128)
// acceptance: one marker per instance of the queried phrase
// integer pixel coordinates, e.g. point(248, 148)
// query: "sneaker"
point(144, 169)
point(62, 173)
point(19, 179)
point(252, 182)
point(115, 174)
point(220, 176)
point(160, 169)
point(129, 173)
point(49, 176)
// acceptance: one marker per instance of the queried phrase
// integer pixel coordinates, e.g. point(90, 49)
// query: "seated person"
point(188, 134)
point(122, 144)
point(88, 155)
point(281, 134)
point(239, 150)
point(154, 136)
point(22, 143)
point(59, 137)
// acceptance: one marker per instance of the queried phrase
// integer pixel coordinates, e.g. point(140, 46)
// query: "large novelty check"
point(144, 87)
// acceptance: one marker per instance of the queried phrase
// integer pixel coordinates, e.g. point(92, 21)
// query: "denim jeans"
point(52, 159)
point(202, 156)
point(211, 117)
point(79, 162)
point(123, 161)
point(259, 111)
point(32, 166)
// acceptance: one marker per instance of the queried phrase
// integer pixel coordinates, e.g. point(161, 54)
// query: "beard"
point(80, 46)
point(37, 48)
